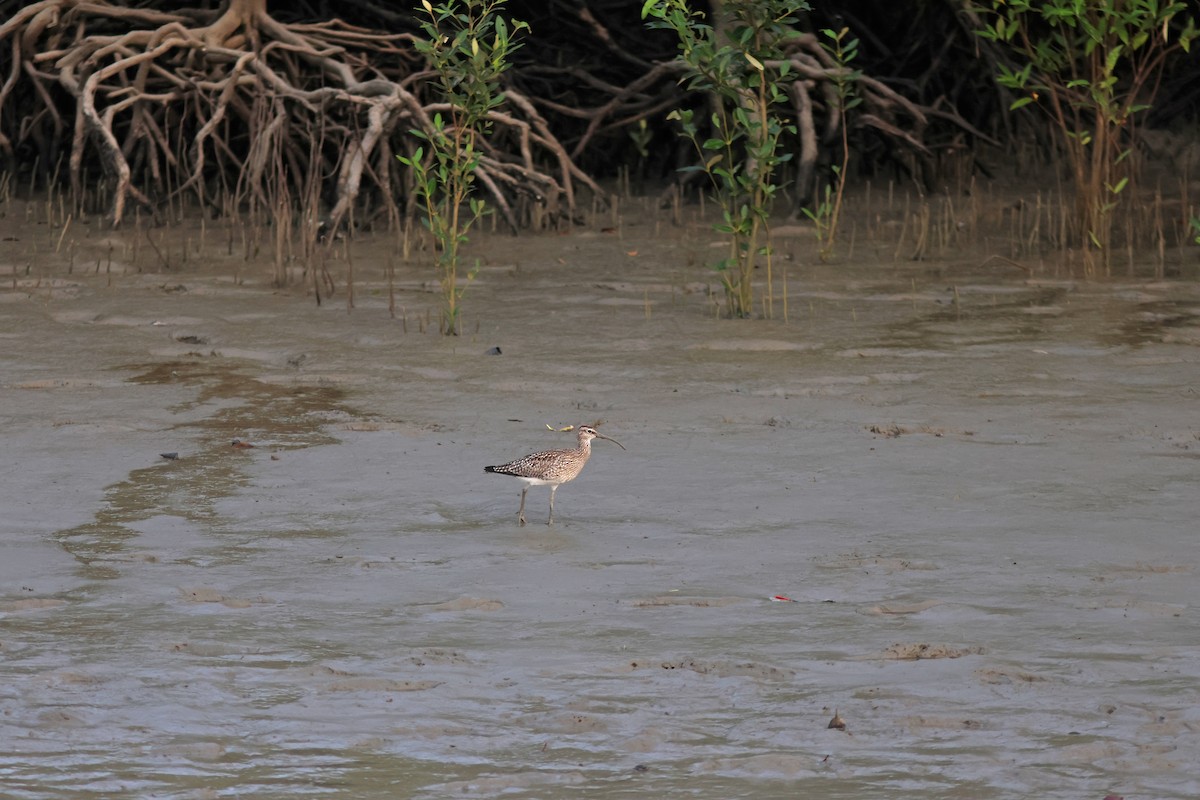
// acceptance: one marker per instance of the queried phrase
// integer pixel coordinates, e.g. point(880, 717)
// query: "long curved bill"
point(600, 435)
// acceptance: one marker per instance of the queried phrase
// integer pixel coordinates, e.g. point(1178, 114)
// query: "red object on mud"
point(778, 598)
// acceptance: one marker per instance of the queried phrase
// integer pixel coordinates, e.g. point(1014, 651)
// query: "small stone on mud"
point(169, 456)
point(495, 351)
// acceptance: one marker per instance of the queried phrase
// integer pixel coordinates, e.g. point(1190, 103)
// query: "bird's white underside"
point(536, 481)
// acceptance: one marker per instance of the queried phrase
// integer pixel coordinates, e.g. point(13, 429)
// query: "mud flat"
point(979, 488)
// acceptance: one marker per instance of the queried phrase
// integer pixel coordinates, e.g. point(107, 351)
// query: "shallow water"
point(984, 508)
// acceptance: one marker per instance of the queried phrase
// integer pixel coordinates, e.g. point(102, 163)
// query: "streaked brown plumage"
point(551, 468)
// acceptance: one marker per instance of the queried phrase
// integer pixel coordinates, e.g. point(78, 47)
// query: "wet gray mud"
point(979, 488)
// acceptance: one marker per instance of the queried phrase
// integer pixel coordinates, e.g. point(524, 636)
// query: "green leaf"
point(1114, 55)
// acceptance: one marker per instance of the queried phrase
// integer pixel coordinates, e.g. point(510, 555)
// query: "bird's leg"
point(553, 489)
point(521, 513)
